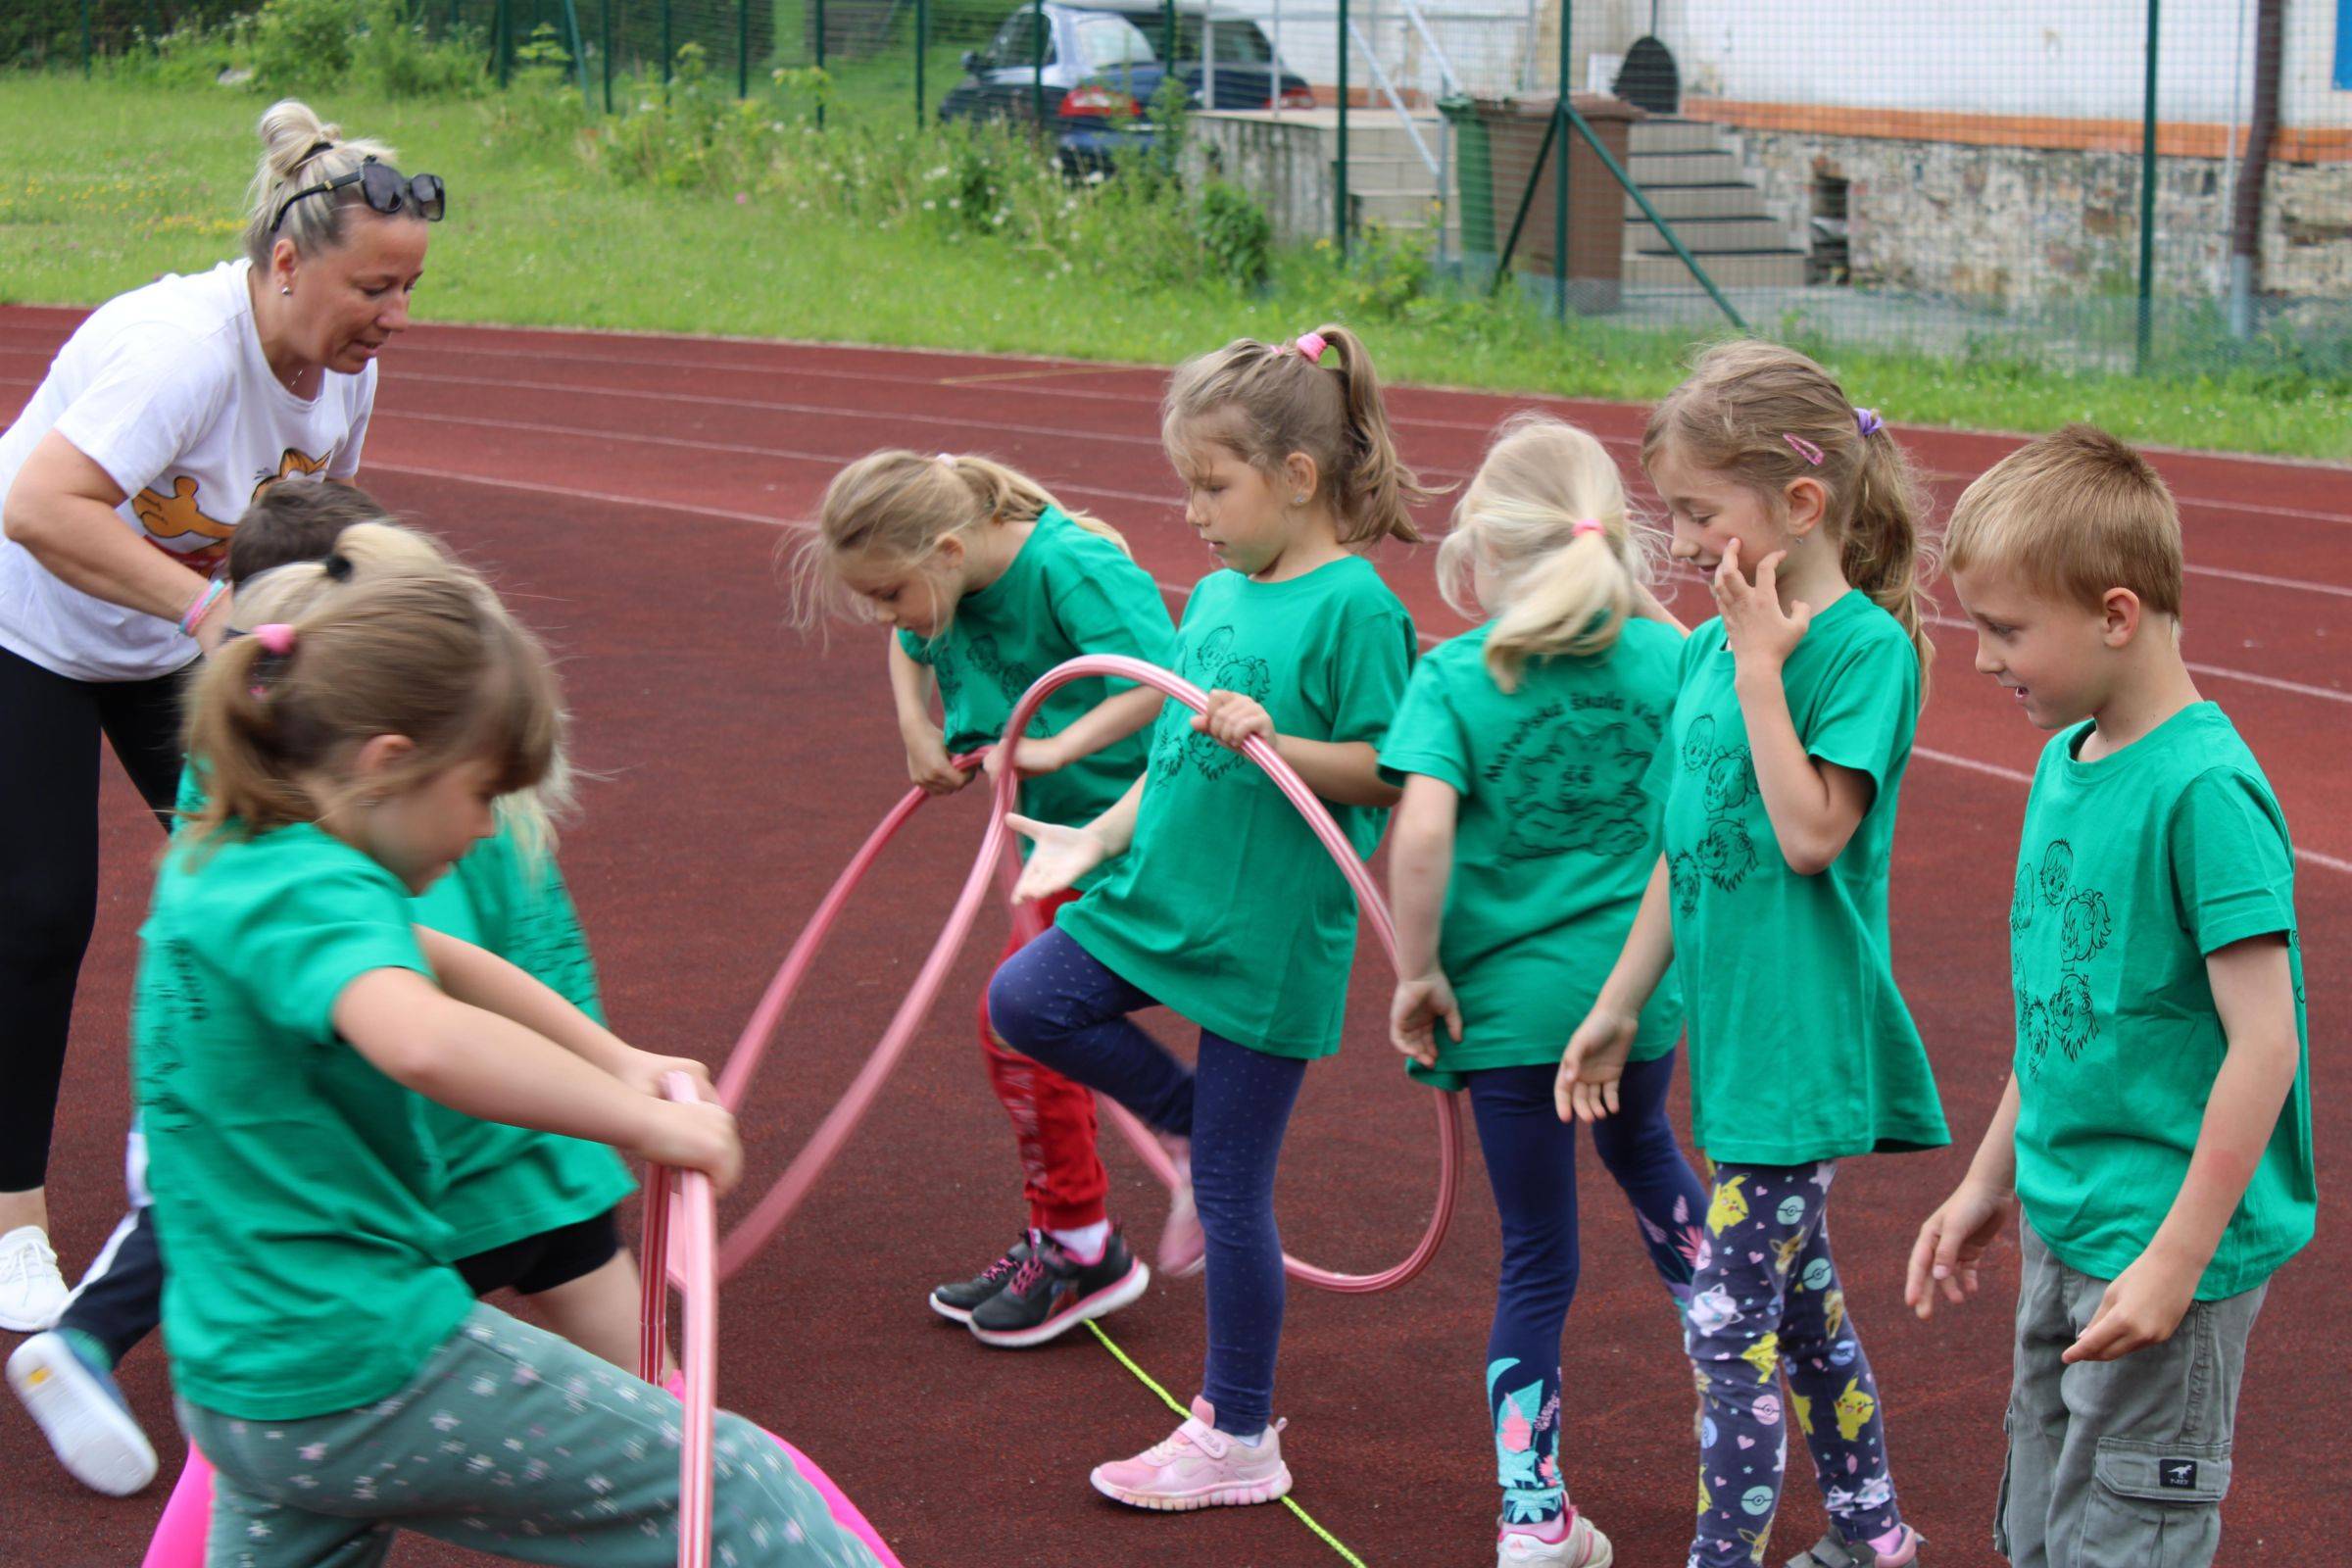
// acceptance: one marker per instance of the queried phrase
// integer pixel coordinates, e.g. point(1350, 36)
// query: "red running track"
point(631, 495)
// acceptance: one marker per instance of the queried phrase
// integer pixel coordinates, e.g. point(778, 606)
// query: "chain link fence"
point(2098, 183)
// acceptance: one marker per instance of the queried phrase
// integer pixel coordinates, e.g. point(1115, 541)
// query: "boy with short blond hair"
point(2156, 1130)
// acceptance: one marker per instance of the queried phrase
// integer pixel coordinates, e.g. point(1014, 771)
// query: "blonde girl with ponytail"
point(983, 582)
point(1784, 759)
point(1516, 865)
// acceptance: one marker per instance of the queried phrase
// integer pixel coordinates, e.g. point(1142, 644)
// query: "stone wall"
point(2016, 225)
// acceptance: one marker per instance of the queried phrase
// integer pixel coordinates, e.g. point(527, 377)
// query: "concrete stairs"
point(1693, 174)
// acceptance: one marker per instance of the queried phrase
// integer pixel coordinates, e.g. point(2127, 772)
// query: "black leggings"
point(49, 729)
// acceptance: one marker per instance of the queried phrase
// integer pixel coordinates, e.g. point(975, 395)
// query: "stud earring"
point(285, 289)
point(1298, 501)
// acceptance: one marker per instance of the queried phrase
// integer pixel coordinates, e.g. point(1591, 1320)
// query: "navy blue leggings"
point(1530, 1163)
point(1053, 1000)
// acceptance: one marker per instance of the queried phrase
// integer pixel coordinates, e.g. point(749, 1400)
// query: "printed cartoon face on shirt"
point(2067, 1018)
point(1725, 854)
point(181, 514)
point(1212, 665)
point(1575, 791)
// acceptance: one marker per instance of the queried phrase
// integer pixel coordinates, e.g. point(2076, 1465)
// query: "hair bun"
point(291, 131)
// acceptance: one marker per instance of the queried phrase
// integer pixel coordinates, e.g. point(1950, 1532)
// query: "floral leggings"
point(1765, 1301)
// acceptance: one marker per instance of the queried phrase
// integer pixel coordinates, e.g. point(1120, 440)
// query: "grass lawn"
point(105, 185)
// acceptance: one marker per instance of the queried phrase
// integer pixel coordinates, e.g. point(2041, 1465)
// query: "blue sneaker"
point(73, 1397)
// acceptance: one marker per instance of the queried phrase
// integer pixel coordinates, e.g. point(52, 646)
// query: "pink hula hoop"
point(694, 1211)
point(996, 859)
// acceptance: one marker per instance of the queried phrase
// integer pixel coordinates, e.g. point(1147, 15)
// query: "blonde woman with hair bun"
point(1518, 861)
point(122, 483)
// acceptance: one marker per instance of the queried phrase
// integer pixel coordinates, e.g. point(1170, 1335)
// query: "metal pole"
point(820, 62)
point(1274, 71)
point(668, 55)
point(86, 38)
point(922, 47)
point(1338, 206)
point(743, 48)
point(503, 21)
point(2147, 204)
point(1561, 150)
point(1037, 69)
point(608, 40)
point(1167, 36)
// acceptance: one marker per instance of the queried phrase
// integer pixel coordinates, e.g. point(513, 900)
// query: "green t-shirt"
point(294, 1184)
point(508, 1183)
point(1068, 592)
point(1553, 841)
point(1225, 908)
point(1802, 1048)
point(502, 1184)
point(2131, 870)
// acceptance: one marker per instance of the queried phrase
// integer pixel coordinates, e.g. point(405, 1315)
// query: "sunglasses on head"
point(385, 189)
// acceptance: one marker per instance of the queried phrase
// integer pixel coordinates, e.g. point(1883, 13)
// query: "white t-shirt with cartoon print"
point(166, 388)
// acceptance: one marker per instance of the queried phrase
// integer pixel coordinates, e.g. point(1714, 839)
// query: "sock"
point(1258, 1441)
point(1085, 1243)
point(89, 1348)
point(1551, 1531)
point(1891, 1543)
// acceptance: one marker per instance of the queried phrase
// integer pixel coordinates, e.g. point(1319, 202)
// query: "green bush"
point(302, 45)
point(1235, 232)
point(47, 33)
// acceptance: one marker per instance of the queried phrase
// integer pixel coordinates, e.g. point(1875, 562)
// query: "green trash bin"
point(1474, 177)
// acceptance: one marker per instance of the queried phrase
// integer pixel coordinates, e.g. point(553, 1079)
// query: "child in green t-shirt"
point(987, 582)
point(291, 1017)
point(1522, 747)
point(1218, 901)
point(2156, 1129)
point(1782, 762)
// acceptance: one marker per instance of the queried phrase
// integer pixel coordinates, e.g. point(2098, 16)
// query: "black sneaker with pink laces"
point(1052, 1292)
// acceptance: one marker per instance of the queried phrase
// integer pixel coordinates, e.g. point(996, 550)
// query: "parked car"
point(1094, 80)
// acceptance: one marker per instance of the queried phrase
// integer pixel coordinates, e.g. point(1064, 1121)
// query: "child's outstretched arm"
point(1343, 773)
point(1587, 1087)
point(1106, 723)
point(1815, 806)
point(490, 1068)
point(482, 979)
point(927, 762)
point(1420, 865)
point(1954, 1239)
point(1063, 854)
point(2253, 991)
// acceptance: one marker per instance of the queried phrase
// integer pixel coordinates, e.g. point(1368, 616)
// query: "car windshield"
point(1108, 42)
point(1239, 42)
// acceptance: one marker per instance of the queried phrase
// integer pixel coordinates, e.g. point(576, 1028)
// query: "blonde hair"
point(1264, 401)
point(1545, 515)
point(420, 648)
point(2073, 515)
point(894, 508)
point(292, 160)
point(1760, 413)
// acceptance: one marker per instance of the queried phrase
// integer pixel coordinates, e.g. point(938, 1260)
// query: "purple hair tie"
point(1867, 421)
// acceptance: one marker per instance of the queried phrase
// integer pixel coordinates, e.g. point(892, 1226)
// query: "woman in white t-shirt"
point(169, 410)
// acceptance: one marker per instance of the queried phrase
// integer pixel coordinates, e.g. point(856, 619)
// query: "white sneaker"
point(1516, 1546)
point(83, 1414)
point(31, 1291)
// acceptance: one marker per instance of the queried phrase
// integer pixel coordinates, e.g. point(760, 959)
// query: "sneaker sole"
point(1103, 1303)
point(1273, 1491)
point(1607, 1560)
point(99, 1445)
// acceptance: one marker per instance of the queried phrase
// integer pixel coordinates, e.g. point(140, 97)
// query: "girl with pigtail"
point(1214, 899)
point(985, 583)
point(1792, 728)
point(1522, 746)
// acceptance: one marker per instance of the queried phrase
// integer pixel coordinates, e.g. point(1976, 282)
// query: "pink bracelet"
point(200, 606)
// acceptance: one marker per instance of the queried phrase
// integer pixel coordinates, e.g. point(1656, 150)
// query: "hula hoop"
point(997, 859)
point(694, 1211)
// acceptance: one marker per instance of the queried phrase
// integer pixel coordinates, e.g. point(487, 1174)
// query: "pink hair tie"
point(1804, 449)
point(1583, 527)
point(947, 458)
point(277, 637)
point(1309, 345)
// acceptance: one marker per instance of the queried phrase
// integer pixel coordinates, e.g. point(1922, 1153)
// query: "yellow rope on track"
point(1169, 1400)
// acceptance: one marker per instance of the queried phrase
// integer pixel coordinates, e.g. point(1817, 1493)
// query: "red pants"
point(1052, 1121)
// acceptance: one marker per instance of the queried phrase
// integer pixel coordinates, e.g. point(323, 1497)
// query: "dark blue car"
point(1099, 67)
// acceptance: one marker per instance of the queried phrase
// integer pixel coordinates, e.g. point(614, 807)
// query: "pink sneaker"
point(1183, 1249)
point(1576, 1546)
point(1199, 1467)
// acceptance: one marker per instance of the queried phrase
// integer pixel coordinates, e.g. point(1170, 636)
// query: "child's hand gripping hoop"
point(694, 1210)
point(997, 857)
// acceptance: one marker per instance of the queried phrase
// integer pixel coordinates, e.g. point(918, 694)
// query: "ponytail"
point(1545, 518)
point(1886, 552)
